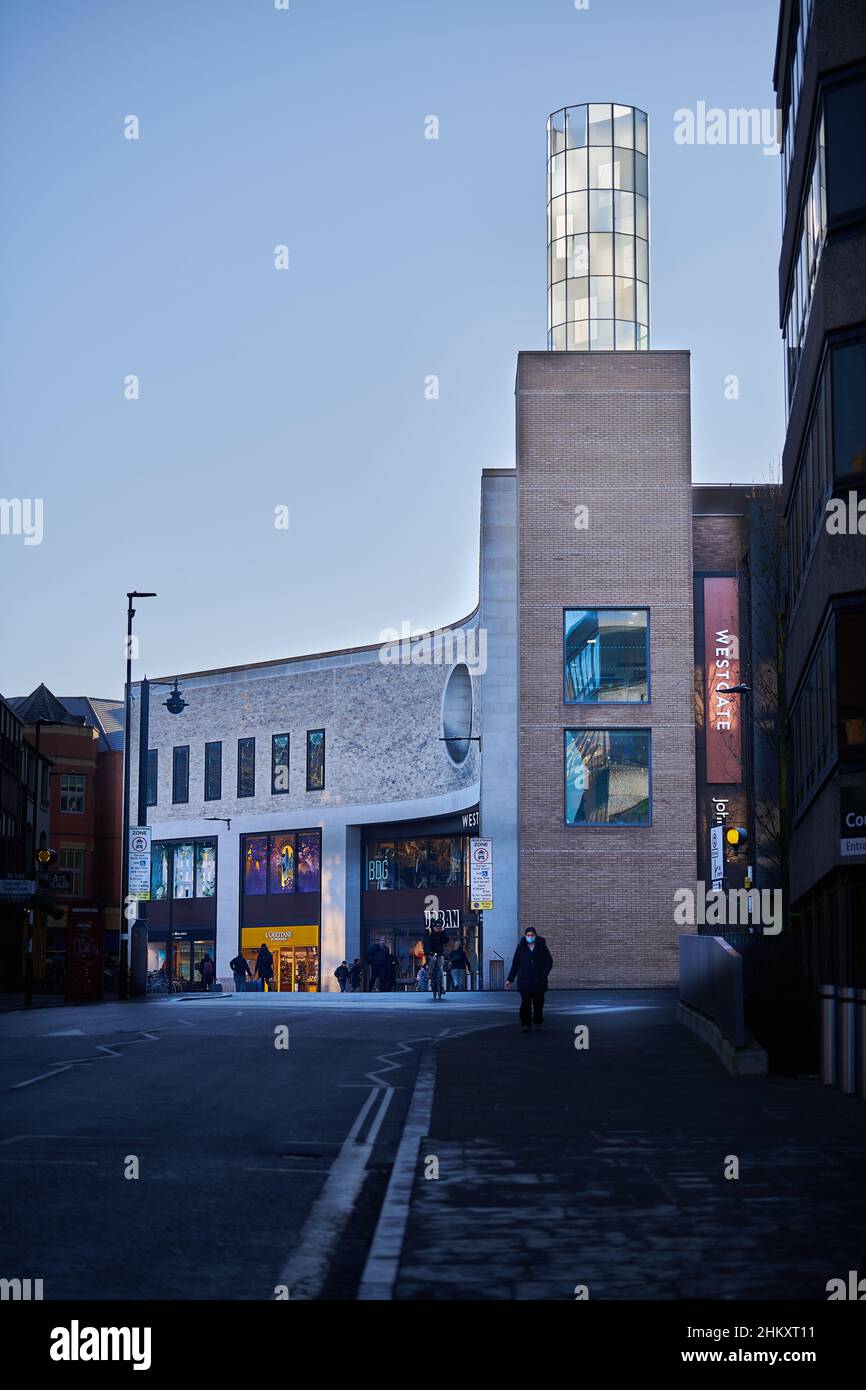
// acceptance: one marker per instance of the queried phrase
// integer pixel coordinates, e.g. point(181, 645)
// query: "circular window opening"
point(457, 713)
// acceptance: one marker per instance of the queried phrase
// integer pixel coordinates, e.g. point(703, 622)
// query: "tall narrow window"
point(279, 764)
point(246, 767)
point(180, 774)
point(152, 775)
point(315, 760)
point(213, 771)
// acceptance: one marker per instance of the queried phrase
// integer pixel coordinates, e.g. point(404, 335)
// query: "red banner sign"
point(722, 661)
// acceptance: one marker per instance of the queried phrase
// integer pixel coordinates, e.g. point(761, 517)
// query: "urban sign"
point(481, 874)
point(16, 890)
point(852, 820)
point(722, 662)
point(139, 862)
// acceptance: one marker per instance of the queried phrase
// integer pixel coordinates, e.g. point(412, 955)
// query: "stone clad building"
point(324, 805)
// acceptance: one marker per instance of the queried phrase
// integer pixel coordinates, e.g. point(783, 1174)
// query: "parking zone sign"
point(481, 875)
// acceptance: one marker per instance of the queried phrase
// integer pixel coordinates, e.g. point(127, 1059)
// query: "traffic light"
point(737, 838)
point(46, 858)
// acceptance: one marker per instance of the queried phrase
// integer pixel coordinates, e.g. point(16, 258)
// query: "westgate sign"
point(722, 662)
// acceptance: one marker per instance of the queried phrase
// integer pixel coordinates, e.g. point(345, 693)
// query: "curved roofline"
point(310, 656)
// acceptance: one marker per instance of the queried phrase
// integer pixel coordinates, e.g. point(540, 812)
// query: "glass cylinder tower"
point(597, 228)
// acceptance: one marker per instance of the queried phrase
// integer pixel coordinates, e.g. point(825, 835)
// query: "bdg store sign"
point(852, 820)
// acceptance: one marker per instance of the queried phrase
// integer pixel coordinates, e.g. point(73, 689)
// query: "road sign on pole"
point(481, 874)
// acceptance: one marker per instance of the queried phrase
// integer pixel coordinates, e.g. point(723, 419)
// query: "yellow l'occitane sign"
point(251, 937)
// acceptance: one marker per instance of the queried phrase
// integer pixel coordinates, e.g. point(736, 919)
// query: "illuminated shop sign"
point(722, 662)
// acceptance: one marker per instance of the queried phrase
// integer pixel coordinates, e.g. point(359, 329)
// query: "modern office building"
point(820, 82)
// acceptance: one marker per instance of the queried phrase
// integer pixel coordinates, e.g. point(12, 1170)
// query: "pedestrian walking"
point(530, 968)
point(264, 967)
point(355, 976)
point(460, 963)
point(207, 970)
point(378, 957)
point(240, 968)
point(341, 975)
point(422, 979)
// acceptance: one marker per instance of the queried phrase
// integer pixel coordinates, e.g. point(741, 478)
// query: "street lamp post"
point(175, 704)
point(123, 982)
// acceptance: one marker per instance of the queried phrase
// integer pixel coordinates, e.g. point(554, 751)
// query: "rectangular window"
point(213, 771)
point(281, 855)
point(180, 774)
point(415, 863)
point(315, 760)
point(72, 860)
point(286, 861)
point(607, 777)
point(606, 656)
point(205, 869)
point(246, 767)
point(183, 871)
point(255, 865)
point(848, 375)
point(72, 792)
point(159, 853)
point(279, 764)
point(152, 775)
point(309, 863)
point(851, 679)
point(189, 868)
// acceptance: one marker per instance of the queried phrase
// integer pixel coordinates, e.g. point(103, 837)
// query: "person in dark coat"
point(378, 957)
point(341, 974)
point(240, 968)
point(264, 966)
point(530, 968)
point(207, 970)
point(355, 976)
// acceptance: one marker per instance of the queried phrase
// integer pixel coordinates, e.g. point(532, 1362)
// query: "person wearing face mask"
point(530, 968)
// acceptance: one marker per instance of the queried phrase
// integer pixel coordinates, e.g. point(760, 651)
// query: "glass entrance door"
point(296, 968)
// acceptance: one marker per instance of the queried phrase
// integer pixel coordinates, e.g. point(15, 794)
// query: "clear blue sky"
point(306, 388)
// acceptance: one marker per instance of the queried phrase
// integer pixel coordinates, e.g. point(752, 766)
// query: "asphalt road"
point(305, 1171)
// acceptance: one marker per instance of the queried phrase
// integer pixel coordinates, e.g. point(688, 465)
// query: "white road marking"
point(380, 1271)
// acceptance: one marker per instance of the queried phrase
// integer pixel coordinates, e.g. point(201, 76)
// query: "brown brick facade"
point(609, 431)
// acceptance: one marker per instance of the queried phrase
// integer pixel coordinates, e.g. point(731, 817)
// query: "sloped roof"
point(104, 715)
point(40, 704)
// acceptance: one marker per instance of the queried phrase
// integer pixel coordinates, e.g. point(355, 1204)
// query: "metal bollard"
point(861, 1024)
point(829, 1055)
point(848, 1039)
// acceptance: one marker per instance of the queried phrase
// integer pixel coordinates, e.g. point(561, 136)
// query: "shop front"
point(281, 906)
point(416, 873)
point(181, 914)
point(295, 951)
